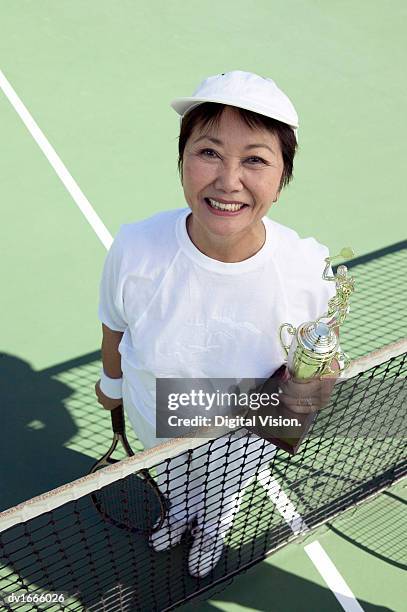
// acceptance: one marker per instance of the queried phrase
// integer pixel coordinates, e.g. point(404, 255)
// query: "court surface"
point(96, 79)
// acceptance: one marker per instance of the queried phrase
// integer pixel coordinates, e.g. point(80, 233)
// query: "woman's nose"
point(229, 177)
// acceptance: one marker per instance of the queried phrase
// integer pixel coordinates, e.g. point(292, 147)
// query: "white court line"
point(332, 577)
point(316, 553)
point(79, 198)
point(283, 504)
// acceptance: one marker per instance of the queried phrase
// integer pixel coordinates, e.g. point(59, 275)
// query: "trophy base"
point(290, 445)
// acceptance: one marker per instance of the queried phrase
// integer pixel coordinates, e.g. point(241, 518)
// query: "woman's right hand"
point(107, 402)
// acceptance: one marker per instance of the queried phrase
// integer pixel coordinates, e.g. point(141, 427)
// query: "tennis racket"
point(134, 503)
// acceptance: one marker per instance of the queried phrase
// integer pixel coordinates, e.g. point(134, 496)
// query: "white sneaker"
point(205, 552)
point(169, 534)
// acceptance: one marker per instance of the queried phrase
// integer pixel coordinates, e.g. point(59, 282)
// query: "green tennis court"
point(97, 79)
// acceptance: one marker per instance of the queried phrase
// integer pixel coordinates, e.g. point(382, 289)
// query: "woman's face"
point(231, 176)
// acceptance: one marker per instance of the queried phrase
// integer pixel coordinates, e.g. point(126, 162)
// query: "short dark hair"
point(209, 114)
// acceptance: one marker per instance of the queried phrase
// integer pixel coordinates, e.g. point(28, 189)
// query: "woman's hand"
point(107, 402)
point(306, 396)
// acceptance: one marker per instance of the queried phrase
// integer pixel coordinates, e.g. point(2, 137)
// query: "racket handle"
point(118, 423)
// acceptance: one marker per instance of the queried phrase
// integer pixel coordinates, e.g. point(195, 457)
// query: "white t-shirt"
point(185, 315)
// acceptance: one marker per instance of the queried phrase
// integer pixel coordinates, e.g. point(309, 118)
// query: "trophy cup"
point(315, 344)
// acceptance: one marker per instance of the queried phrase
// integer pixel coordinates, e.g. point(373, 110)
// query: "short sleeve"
point(111, 307)
point(307, 292)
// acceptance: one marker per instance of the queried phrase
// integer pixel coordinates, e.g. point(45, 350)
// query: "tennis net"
point(57, 551)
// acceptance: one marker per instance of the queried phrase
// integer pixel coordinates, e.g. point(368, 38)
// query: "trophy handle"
point(290, 330)
point(345, 359)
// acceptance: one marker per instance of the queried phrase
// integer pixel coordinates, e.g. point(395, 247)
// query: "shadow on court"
point(271, 589)
point(360, 528)
point(35, 427)
point(375, 318)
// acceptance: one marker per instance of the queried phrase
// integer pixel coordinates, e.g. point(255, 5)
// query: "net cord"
point(147, 459)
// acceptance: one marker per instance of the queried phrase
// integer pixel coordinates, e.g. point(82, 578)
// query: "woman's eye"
point(256, 160)
point(208, 153)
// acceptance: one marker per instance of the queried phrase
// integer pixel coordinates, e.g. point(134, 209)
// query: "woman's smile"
point(224, 207)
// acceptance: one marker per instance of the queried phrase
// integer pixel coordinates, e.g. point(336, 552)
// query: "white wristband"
point(111, 387)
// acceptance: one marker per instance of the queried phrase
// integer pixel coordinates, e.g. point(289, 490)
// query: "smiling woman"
point(233, 167)
point(200, 292)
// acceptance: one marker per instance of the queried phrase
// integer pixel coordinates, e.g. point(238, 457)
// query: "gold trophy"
point(315, 344)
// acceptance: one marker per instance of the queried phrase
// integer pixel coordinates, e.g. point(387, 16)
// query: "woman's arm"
point(111, 360)
point(111, 357)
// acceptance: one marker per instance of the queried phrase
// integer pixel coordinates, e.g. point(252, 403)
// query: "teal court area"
point(97, 80)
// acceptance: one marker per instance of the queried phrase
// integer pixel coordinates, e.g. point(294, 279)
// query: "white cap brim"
point(184, 105)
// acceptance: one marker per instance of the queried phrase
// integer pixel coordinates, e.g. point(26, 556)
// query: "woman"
point(200, 292)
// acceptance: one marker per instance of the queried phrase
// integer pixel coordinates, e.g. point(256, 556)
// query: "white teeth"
point(221, 206)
